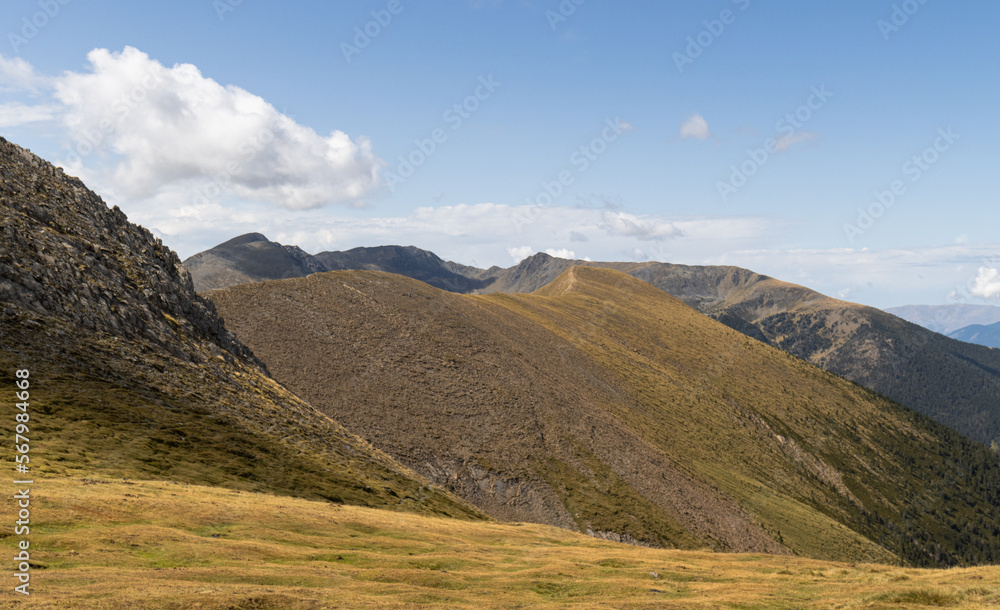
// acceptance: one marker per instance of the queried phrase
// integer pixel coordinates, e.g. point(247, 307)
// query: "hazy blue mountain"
point(979, 334)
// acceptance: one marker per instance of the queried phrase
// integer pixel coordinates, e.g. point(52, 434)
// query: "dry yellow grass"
point(106, 543)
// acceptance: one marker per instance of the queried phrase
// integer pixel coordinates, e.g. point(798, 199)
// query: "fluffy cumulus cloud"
point(153, 128)
point(696, 128)
point(561, 253)
point(987, 283)
point(520, 253)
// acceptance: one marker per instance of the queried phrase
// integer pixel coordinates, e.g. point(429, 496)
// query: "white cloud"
point(479, 234)
point(156, 129)
point(18, 75)
point(563, 253)
point(987, 283)
point(696, 127)
point(519, 254)
point(787, 141)
point(882, 278)
point(626, 225)
point(487, 234)
point(14, 114)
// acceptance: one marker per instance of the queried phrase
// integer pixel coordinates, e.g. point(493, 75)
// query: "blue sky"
point(734, 132)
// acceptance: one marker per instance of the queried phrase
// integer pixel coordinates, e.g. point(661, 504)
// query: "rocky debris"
point(65, 253)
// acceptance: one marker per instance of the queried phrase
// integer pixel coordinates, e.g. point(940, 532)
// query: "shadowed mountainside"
point(133, 374)
point(603, 404)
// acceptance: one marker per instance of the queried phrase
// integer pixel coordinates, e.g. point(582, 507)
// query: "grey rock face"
point(65, 253)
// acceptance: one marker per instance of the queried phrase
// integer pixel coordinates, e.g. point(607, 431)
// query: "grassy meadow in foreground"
point(103, 543)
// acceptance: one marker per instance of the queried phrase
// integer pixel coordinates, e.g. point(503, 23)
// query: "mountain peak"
point(247, 238)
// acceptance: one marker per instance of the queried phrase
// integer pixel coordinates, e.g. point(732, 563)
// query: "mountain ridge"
point(602, 403)
point(956, 383)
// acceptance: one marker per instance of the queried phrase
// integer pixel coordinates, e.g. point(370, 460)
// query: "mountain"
point(253, 258)
point(248, 258)
point(953, 382)
point(602, 404)
point(132, 374)
point(946, 319)
point(979, 334)
point(409, 261)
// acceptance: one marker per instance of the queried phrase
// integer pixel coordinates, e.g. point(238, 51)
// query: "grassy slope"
point(801, 447)
point(103, 543)
point(605, 387)
point(952, 382)
point(480, 400)
point(101, 405)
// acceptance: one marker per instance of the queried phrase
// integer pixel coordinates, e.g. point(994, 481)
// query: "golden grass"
point(102, 543)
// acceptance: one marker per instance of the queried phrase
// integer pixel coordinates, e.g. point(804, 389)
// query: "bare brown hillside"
point(954, 383)
point(466, 392)
point(603, 404)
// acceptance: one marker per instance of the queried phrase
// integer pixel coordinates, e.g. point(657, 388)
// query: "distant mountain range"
point(979, 334)
point(254, 258)
point(946, 319)
point(603, 404)
point(953, 382)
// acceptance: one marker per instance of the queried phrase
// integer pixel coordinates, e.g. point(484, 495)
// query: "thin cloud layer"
point(17, 75)
point(650, 229)
point(15, 114)
point(152, 129)
point(786, 141)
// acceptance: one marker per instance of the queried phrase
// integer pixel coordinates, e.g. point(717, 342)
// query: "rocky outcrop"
point(136, 375)
point(65, 253)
